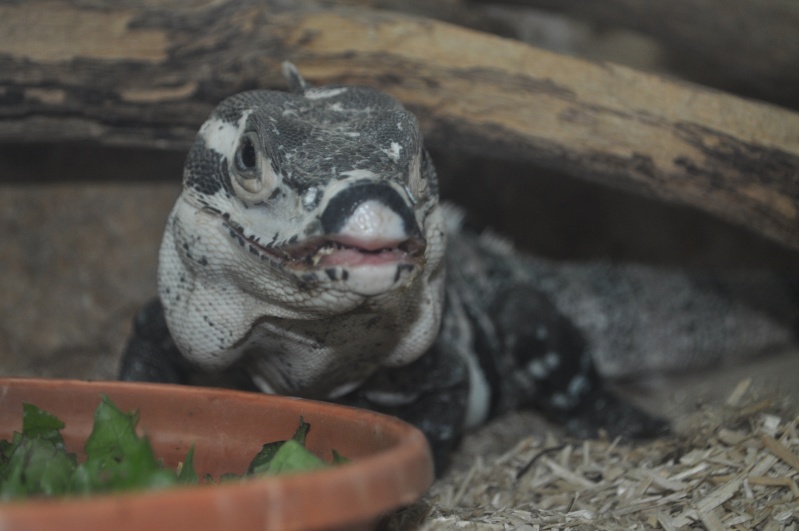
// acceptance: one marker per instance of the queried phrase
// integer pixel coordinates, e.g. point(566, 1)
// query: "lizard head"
point(325, 189)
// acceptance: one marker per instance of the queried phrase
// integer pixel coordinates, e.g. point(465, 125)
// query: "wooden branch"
point(748, 46)
point(149, 73)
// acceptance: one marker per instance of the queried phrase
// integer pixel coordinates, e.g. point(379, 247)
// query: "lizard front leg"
point(544, 362)
point(431, 393)
point(151, 354)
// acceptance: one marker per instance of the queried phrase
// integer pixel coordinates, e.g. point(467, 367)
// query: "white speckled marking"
point(322, 93)
point(479, 400)
point(222, 136)
point(538, 369)
point(393, 151)
point(311, 196)
point(359, 174)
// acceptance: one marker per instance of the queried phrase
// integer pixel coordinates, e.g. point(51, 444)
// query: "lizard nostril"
point(370, 211)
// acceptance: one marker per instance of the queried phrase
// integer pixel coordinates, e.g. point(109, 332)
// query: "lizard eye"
point(247, 164)
point(246, 156)
point(254, 178)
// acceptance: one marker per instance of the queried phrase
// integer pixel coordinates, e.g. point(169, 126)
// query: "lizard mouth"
point(334, 251)
point(346, 252)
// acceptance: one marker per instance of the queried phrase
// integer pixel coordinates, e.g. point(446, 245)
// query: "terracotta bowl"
point(391, 463)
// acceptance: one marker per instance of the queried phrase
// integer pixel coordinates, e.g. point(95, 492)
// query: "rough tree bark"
point(148, 73)
point(748, 46)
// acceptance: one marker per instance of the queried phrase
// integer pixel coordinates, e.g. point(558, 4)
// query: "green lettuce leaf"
point(116, 457)
point(293, 457)
point(35, 461)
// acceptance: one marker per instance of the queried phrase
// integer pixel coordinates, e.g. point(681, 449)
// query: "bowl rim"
point(408, 463)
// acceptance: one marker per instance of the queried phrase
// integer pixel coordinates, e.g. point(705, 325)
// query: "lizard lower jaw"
point(372, 280)
point(336, 251)
point(365, 268)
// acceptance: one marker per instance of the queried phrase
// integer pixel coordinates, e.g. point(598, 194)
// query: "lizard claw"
point(617, 417)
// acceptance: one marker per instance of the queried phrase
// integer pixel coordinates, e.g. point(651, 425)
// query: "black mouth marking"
point(342, 206)
point(265, 252)
point(400, 269)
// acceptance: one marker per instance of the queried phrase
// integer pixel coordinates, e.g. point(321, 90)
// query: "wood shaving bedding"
point(733, 466)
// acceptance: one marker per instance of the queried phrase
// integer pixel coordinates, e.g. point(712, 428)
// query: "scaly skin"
point(309, 252)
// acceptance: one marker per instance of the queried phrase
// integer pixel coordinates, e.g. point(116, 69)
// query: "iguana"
point(309, 251)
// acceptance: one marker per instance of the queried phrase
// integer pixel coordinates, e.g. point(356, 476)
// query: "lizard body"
point(310, 251)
